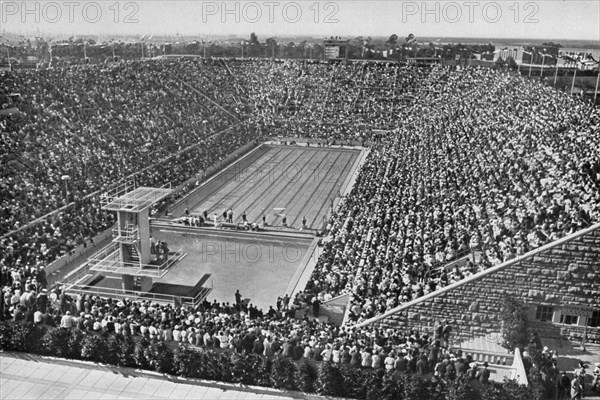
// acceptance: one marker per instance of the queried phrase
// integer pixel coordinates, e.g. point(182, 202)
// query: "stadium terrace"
point(409, 183)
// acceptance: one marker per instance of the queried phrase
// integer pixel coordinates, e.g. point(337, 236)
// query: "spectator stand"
point(235, 117)
point(457, 185)
point(468, 334)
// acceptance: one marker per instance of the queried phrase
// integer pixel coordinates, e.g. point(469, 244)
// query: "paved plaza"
point(25, 376)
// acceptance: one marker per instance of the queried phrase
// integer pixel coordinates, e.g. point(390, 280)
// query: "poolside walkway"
point(26, 376)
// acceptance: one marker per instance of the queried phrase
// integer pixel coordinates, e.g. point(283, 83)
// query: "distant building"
point(505, 54)
point(525, 56)
point(588, 65)
point(336, 48)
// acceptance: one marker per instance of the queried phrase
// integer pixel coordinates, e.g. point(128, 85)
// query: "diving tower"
point(132, 266)
point(131, 254)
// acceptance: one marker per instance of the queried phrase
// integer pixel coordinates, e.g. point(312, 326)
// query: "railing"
point(108, 260)
point(490, 357)
point(76, 287)
point(77, 274)
point(125, 235)
point(123, 294)
point(110, 252)
point(114, 193)
point(124, 197)
point(196, 300)
point(137, 269)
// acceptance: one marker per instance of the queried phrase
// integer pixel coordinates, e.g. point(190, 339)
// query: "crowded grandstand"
point(461, 160)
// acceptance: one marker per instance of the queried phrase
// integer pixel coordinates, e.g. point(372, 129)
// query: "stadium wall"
point(560, 277)
point(79, 251)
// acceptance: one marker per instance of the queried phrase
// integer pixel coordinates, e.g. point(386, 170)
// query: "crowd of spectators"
point(94, 124)
point(314, 99)
point(487, 162)
point(238, 327)
point(242, 328)
point(98, 125)
point(465, 160)
point(474, 159)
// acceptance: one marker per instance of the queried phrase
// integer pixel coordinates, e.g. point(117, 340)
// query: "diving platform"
point(109, 260)
point(130, 198)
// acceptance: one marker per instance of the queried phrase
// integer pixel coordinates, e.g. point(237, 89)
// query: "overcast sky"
point(556, 19)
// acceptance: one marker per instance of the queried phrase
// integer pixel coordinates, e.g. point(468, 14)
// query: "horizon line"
point(287, 35)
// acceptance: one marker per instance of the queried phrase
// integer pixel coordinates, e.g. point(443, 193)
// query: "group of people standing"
point(160, 249)
point(574, 387)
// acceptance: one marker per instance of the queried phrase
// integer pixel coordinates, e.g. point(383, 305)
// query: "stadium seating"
point(471, 160)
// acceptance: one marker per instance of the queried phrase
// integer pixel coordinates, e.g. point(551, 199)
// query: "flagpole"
point(597, 81)
point(556, 72)
point(542, 67)
point(573, 83)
